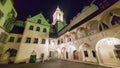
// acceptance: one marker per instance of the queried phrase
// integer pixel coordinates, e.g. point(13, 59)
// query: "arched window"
point(105, 26)
point(115, 20)
point(44, 30)
point(31, 27)
point(38, 29)
point(43, 41)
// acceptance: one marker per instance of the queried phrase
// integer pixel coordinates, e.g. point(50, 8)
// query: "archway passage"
point(75, 53)
point(108, 51)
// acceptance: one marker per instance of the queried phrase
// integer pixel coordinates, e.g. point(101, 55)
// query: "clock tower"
point(57, 16)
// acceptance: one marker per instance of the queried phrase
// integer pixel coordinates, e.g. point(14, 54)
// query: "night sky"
point(48, 7)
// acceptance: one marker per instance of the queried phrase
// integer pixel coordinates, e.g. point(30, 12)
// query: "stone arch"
point(86, 53)
point(6, 56)
point(92, 27)
point(70, 51)
point(108, 51)
point(107, 17)
point(81, 32)
point(66, 37)
point(73, 35)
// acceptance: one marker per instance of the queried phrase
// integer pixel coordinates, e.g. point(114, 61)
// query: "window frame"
point(11, 39)
point(28, 40)
point(43, 41)
point(35, 40)
point(31, 27)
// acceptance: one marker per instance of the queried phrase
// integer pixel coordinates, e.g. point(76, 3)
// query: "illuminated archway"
point(108, 51)
point(63, 53)
point(71, 50)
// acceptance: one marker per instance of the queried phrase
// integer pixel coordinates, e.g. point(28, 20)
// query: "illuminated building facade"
point(93, 36)
point(7, 21)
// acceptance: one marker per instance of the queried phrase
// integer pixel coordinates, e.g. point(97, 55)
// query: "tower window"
point(43, 41)
point(36, 40)
point(44, 30)
point(38, 29)
point(11, 39)
point(31, 27)
point(28, 40)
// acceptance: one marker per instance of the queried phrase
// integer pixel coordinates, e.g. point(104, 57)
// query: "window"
point(19, 40)
point(86, 53)
point(44, 30)
point(94, 54)
point(58, 42)
point(31, 27)
point(2, 2)
point(36, 40)
point(3, 37)
point(39, 21)
point(11, 39)
point(9, 23)
point(28, 40)
point(11, 14)
point(115, 20)
point(38, 29)
point(43, 41)
point(105, 26)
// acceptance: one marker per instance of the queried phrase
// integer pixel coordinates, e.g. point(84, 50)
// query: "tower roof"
point(58, 9)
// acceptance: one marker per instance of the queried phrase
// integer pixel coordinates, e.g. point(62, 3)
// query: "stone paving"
point(52, 64)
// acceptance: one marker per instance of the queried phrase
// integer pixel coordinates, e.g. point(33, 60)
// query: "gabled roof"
point(37, 17)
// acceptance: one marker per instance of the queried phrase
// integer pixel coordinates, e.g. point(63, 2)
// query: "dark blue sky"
point(47, 7)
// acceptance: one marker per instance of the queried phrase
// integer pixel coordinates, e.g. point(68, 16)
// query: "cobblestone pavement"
point(52, 64)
